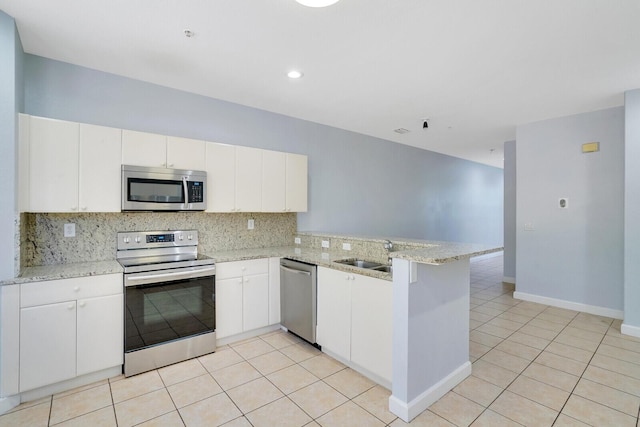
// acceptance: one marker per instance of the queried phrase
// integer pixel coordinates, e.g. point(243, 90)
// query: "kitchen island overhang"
point(431, 292)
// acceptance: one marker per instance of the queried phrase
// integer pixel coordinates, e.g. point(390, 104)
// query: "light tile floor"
point(533, 365)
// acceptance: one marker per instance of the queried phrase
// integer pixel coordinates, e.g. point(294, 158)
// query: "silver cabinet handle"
point(291, 270)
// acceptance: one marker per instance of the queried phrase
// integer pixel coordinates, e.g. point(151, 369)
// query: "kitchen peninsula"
point(430, 294)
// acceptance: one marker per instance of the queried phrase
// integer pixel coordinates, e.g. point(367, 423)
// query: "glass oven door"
point(169, 308)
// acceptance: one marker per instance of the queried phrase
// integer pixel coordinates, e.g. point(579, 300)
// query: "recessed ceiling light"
point(317, 3)
point(188, 33)
point(295, 74)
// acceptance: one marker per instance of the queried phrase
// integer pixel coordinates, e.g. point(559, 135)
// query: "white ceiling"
point(475, 68)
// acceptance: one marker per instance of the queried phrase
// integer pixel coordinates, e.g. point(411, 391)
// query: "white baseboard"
point(8, 403)
point(507, 279)
point(570, 305)
point(630, 330)
point(408, 411)
point(246, 335)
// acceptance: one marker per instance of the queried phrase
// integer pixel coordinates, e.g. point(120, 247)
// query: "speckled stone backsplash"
point(42, 240)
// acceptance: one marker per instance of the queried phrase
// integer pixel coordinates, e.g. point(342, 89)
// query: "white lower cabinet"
point(372, 324)
point(47, 344)
point(99, 346)
point(333, 330)
point(70, 327)
point(355, 319)
point(242, 296)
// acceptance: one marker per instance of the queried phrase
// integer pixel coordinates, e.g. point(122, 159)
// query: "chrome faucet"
point(389, 247)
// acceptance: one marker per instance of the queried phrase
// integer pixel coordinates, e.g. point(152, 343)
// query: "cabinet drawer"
point(53, 291)
point(226, 270)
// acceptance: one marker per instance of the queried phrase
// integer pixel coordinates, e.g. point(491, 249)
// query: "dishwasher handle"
point(291, 270)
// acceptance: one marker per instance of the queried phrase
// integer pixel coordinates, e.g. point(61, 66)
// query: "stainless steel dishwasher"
point(298, 295)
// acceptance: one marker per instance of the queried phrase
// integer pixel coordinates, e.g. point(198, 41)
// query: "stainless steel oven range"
point(169, 299)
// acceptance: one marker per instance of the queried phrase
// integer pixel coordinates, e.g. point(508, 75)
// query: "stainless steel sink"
point(360, 263)
point(384, 268)
point(368, 265)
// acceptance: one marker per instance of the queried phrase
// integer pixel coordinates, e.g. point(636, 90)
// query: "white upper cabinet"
point(284, 182)
point(184, 153)
point(53, 165)
point(99, 169)
point(72, 167)
point(273, 181)
point(144, 149)
point(160, 151)
point(296, 182)
point(221, 177)
point(248, 179)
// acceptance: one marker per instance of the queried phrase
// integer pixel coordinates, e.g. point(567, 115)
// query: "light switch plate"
point(250, 224)
point(346, 246)
point(325, 244)
point(70, 230)
point(297, 240)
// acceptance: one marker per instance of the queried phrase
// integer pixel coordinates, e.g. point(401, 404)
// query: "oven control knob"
point(190, 237)
point(180, 237)
point(137, 239)
point(126, 239)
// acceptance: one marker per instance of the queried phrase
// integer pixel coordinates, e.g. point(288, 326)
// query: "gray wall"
point(11, 101)
point(510, 188)
point(358, 184)
point(632, 211)
point(573, 254)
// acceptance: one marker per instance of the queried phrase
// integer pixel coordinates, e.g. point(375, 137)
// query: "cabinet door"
point(100, 333)
point(47, 344)
point(184, 153)
point(334, 311)
point(296, 183)
point(144, 149)
point(53, 165)
point(99, 168)
point(228, 307)
point(371, 324)
point(255, 301)
point(273, 181)
point(221, 177)
point(248, 179)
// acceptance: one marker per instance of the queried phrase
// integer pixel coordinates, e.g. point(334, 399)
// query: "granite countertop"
point(64, 271)
point(444, 252)
point(421, 251)
point(308, 255)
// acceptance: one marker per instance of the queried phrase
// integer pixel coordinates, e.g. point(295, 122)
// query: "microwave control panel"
point(195, 191)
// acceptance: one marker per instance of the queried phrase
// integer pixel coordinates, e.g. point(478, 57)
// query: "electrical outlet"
point(297, 240)
point(346, 246)
point(250, 224)
point(69, 230)
point(325, 244)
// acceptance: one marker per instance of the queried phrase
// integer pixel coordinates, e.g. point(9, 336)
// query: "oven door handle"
point(134, 280)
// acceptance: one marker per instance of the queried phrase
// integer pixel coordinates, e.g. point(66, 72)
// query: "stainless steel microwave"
point(161, 189)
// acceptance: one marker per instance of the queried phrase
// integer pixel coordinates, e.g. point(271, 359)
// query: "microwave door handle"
point(185, 189)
